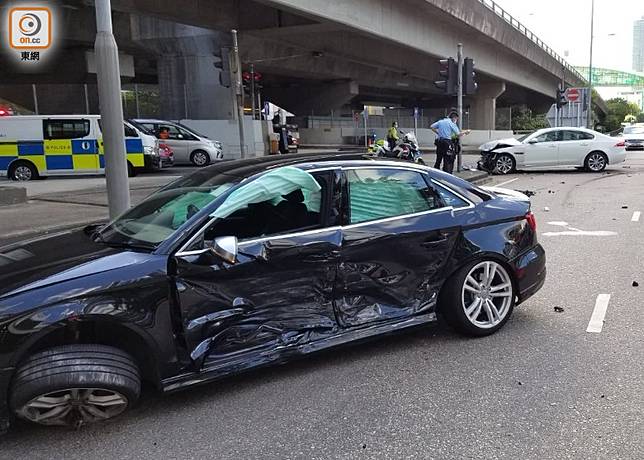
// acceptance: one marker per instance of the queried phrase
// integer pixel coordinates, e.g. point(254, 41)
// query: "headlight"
point(149, 150)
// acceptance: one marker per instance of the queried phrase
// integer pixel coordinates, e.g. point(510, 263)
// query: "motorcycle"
point(407, 149)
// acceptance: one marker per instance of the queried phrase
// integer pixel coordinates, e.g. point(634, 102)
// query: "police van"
point(33, 146)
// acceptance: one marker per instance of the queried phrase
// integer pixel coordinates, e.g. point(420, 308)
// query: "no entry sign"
point(572, 94)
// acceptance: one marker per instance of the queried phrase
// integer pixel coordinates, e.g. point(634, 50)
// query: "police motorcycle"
point(406, 149)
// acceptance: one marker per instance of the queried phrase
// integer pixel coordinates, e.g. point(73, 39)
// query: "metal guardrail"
point(507, 17)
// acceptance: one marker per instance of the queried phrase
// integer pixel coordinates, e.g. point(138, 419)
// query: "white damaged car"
point(553, 148)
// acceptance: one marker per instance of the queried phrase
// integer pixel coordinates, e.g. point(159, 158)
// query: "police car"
point(33, 146)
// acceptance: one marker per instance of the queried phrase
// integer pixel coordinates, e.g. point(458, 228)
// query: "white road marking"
point(581, 233)
point(572, 231)
point(596, 322)
point(636, 216)
point(506, 182)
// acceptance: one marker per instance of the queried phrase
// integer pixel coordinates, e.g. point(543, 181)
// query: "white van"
point(47, 145)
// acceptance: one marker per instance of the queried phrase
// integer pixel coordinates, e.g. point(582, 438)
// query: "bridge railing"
point(507, 17)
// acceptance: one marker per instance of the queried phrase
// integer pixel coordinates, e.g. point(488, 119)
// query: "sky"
point(565, 26)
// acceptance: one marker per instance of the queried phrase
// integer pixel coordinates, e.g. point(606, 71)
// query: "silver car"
point(189, 147)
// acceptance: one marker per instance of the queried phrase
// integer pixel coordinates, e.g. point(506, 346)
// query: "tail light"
point(620, 144)
point(532, 221)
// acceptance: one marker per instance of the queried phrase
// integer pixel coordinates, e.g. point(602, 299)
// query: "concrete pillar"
point(483, 105)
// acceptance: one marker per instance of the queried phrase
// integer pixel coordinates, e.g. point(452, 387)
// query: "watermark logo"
point(30, 28)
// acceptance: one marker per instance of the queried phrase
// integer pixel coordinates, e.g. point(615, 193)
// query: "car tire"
point(596, 162)
point(200, 158)
point(505, 164)
point(23, 171)
point(458, 299)
point(71, 385)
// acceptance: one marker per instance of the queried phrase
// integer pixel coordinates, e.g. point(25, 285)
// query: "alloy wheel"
point(504, 164)
point(487, 294)
point(22, 173)
point(74, 406)
point(200, 158)
point(596, 162)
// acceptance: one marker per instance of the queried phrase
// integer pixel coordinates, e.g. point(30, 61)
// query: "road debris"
point(624, 207)
point(559, 309)
point(546, 208)
point(635, 284)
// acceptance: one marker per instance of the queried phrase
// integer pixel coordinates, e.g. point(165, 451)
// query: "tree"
point(523, 119)
point(618, 110)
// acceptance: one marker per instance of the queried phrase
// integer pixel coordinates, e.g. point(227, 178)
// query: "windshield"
point(634, 130)
point(525, 136)
point(192, 131)
point(148, 224)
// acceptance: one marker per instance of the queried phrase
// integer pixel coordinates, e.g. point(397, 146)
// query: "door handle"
point(432, 243)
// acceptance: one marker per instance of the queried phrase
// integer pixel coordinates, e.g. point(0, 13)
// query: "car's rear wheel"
point(199, 158)
point(72, 385)
point(479, 298)
point(505, 164)
point(596, 161)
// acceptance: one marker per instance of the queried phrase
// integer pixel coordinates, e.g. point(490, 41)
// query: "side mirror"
point(179, 136)
point(532, 141)
point(226, 248)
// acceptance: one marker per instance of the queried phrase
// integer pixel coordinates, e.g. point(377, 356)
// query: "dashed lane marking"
point(636, 216)
point(596, 322)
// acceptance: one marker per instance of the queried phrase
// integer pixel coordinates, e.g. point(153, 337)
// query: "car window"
point(382, 193)
point(286, 200)
point(571, 135)
point(634, 130)
point(130, 131)
point(550, 136)
point(187, 135)
point(65, 129)
point(149, 127)
point(450, 199)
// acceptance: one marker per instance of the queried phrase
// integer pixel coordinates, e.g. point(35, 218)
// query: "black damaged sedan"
point(248, 263)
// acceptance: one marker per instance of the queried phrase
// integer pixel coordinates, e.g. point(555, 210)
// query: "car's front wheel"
point(479, 298)
point(71, 385)
point(504, 164)
point(596, 162)
point(200, 158)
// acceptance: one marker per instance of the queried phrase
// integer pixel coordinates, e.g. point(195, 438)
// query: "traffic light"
point(449, 71)
point(561, 98)
point(224, 67)
point(469, 77)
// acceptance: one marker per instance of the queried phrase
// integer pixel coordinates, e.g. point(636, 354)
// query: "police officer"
point(446, 130)
point(392, 135)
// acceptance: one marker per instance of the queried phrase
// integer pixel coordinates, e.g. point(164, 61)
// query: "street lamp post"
point(590, 68)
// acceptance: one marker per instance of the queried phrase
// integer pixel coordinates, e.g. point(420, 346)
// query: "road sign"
point(572, 94)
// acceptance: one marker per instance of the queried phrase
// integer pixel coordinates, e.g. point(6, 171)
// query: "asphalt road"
point(540, 388)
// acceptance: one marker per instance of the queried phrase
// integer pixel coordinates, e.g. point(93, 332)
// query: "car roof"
point(242, 169)
point(152, 120)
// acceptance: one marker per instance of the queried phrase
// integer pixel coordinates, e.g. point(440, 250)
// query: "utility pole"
point(236, 72)
point(590, 68)
point(459, 89)
point(109, 92)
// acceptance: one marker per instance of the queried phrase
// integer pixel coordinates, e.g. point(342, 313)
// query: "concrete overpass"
point(324, 55)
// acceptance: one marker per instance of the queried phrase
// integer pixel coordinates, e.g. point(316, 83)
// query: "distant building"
point(638, 45)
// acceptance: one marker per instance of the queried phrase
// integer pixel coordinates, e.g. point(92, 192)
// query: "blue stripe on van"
point(133, 145)
point(80, 146)
point(31, 148)
point(4, 162)
point(59, 162)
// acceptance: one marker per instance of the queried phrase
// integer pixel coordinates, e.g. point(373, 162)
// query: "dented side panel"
point(278, 294)
point(394, 269)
